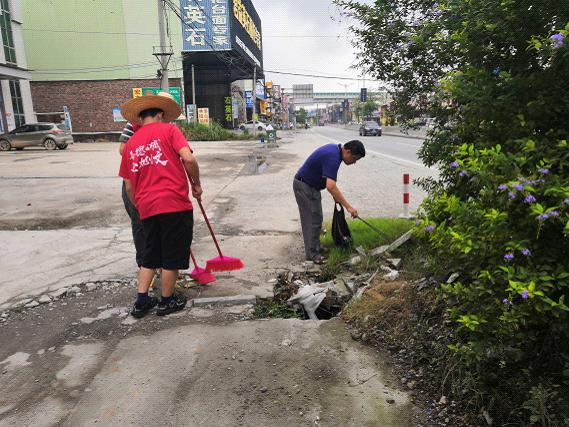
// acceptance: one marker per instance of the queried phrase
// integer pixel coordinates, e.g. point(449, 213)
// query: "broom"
point(201, 275)
point(220, 263)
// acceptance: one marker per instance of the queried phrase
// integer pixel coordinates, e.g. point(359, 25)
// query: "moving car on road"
point(370, 128)
point(249, 125)
point(48, 135)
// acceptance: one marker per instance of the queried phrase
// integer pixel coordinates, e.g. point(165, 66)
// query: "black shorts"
point(168, 240)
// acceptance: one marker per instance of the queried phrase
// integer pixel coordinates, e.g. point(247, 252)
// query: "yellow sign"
point(263, 108)
point(203, 116)
point(136, 92)
point(246, 21)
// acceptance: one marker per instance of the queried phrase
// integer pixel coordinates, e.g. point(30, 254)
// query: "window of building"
point(7, 36)
point(17, 102)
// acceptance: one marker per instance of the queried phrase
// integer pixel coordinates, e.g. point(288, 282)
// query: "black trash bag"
point(340, 231)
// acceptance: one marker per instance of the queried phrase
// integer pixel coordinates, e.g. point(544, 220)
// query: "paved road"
point(400, 150)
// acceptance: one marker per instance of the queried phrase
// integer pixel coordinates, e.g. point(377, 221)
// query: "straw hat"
point(164, 101)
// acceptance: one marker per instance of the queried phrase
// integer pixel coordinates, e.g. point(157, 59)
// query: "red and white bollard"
point(406, 197)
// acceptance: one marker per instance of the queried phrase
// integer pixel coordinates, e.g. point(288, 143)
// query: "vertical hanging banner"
point(228, 110)
point(206, 25)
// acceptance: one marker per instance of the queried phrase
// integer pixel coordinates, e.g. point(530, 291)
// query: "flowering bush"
point(496, 77)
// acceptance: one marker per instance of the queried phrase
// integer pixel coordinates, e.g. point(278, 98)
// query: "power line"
point(314, 75)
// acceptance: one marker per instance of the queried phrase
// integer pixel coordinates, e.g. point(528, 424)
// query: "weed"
point(272, 309)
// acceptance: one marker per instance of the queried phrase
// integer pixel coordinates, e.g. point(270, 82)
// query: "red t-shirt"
point(150, 161)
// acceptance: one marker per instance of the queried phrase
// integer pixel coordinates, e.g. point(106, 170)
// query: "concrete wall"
point(91, 102)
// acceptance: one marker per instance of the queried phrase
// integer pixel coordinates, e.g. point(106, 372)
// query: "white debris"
point(44, 299)
point(32, 304)
point(90, 287)
point(453, 277)
point(74, 290)
point(58, 293)
point(286, 343)
point(390, 274)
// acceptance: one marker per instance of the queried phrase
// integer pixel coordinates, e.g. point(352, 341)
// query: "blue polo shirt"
point(323, 163)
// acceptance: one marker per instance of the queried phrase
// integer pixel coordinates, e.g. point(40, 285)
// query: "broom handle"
point(381, 233)
point(193, 258)
point(207, 220)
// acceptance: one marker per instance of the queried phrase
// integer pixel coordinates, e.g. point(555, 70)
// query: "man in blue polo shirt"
point(319, 172)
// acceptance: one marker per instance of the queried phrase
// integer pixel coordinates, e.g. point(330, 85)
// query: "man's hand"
point(353, 212)
point(197, 191)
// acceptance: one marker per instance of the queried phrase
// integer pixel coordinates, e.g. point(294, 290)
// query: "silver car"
point(48, 135)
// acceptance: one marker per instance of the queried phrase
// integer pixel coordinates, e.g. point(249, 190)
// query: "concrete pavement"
point(82, 360)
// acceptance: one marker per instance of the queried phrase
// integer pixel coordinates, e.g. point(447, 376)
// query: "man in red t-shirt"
point(156, 163)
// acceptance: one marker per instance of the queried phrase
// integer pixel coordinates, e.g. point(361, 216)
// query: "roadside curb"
point(402, 135)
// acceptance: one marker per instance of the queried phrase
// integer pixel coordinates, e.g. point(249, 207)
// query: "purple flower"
point(542, 217)
point(430, 228)
point(518, 187)
point(418, 222)
point(526, 252)
point(462, 174)
point(544, 171)
point(566, 201)
point(507, 301)
point(502, 187)
point(454, 164)
point(553, 214)
point(530, 199)
point(509, 256)
point(557, 40)
point(525, 294)
point(511, 195)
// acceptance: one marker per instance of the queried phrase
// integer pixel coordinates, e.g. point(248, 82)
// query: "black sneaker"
point(177, 303)
point(140, 310)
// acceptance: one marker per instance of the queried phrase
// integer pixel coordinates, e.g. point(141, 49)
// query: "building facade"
point(16, 107)
point(91, 56)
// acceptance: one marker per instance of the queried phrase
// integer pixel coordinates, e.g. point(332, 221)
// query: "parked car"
point(249, 125)
point(48, 135)
point(370, 128)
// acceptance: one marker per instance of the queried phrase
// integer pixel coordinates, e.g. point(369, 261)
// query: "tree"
point(301, 116)
point(369, 107)
point(494, 75)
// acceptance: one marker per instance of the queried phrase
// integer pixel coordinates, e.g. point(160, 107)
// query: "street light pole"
point(254, 101)
point(164, 56)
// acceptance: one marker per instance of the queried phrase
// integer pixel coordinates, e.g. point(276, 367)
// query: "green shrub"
point(212, 132)
point(495, 75)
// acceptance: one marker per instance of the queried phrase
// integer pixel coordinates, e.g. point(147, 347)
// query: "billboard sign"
point(276, 91)
point(249, 99)
point(206, 25)
point(191, 113)
point(203, 116)
point(260, 91)
point(363, 94)
point(176, 92)
point(228, 109)
point(246, 31)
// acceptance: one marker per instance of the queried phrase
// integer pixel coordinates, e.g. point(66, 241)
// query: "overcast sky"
point(286, 47)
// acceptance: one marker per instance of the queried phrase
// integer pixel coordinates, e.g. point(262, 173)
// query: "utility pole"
point(254, 101)
point(163, 55)
point(193, 87)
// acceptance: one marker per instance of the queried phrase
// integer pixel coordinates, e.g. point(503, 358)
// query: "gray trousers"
point(309, 201)
point(136, 225)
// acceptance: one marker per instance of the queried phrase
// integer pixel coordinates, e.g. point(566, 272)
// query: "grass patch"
point(364, 236)
point(275, 310)
point(214, 132)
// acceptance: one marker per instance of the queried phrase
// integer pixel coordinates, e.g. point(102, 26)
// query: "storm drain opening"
point(305, 296)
